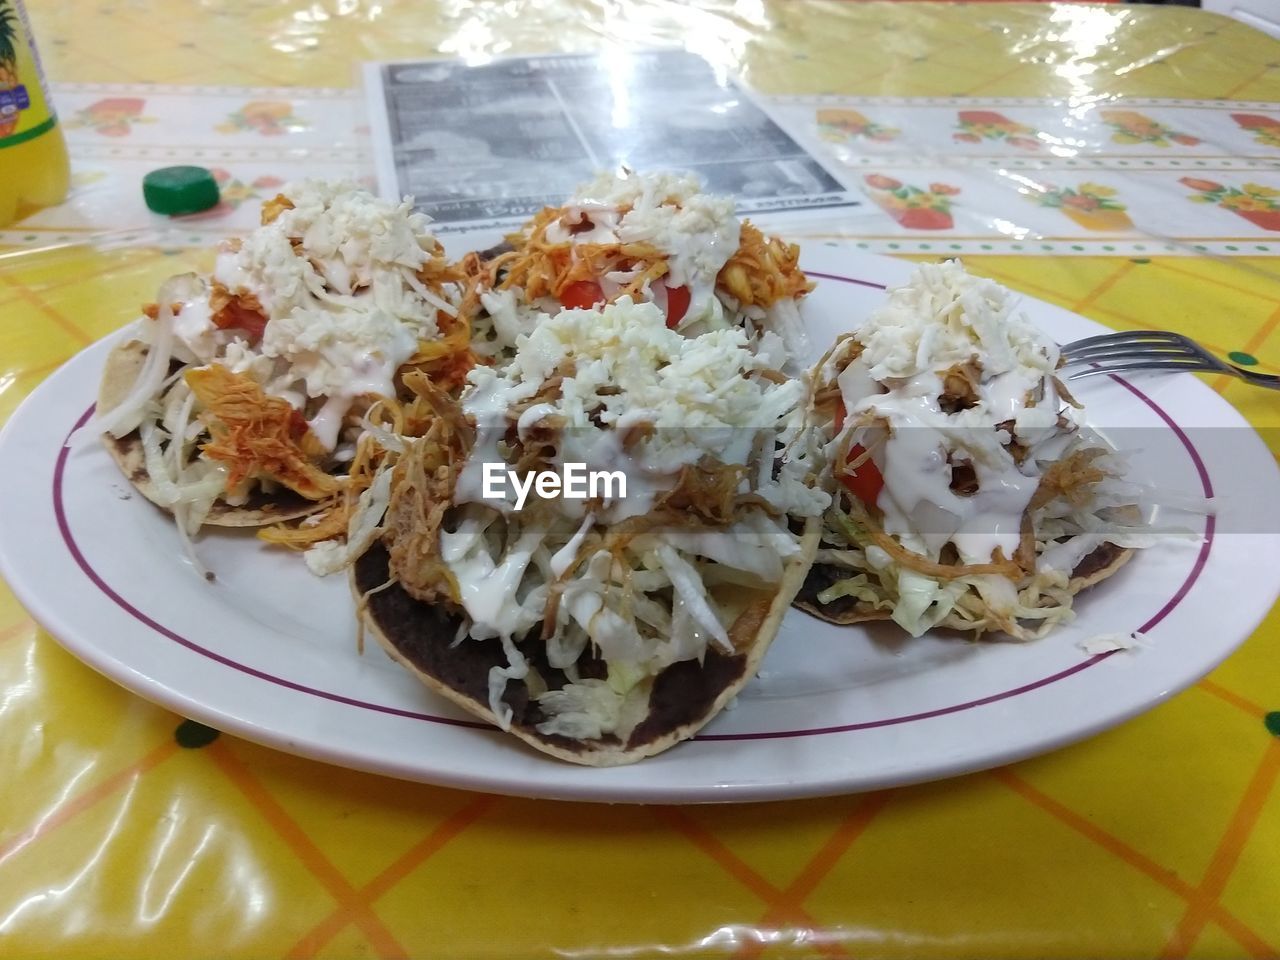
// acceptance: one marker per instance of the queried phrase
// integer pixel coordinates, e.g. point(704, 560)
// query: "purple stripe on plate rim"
point(64, 528)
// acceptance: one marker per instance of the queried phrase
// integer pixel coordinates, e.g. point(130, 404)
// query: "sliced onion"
point(178, 434)
point(127, 415)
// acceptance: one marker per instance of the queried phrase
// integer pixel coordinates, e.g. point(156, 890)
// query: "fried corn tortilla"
point(682, 698)
point(1102, 563)
point(259, 510)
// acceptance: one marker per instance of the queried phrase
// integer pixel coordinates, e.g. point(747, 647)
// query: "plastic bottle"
point(34, 169)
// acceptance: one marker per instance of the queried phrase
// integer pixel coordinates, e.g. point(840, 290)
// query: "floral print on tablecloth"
point(841, 126)
point(1133, 128)
point(1258, 204)
point(235, 191)
point(1265, 130)
point(913, 207)
point(111, 117)
point(918, 152)
point(978, 125)
point(1092, 206)
point(270, 118)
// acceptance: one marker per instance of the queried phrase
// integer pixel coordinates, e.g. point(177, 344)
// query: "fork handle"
point(1268, 380)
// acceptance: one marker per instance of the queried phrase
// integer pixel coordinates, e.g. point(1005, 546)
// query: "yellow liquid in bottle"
point(34, 174)
point(34, 170)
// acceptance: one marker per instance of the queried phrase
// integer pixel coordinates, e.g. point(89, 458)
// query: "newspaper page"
point(482, 148)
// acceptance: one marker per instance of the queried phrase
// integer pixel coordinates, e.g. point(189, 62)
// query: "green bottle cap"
point(178, 190)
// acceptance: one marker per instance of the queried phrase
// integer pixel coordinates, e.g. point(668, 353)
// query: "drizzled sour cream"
point(623, 369)
point(944, 318)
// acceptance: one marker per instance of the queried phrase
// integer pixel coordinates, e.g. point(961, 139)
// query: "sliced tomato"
point(254, 324)
point(297, 424)
point(677, 305)
point(865, 482)
point(581, 295)
point(236, 317)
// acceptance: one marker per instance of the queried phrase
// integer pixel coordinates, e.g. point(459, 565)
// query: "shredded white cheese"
point(336, 276)
point(945, 316)
point(698, 231)
point(628, 370)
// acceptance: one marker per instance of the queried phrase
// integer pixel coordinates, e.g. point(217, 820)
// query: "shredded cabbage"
point(924, 602)
point(125, 416)
point(330, 556)
point(585, 710)
point(692, 594)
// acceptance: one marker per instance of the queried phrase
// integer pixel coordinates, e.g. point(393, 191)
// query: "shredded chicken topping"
point(545, 269)
point(763, 270)
point(257, 436)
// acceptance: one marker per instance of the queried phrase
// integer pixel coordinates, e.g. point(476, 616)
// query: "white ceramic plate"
point(268, 652)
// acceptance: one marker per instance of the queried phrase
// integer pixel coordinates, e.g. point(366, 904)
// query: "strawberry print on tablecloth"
point(913, 207)
point(111, 117)
point(1092, 206)
point(1131, 127)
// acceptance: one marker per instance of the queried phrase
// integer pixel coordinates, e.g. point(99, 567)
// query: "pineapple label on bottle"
point(25, 112)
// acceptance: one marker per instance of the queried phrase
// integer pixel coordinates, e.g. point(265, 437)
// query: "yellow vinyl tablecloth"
point(126, 831)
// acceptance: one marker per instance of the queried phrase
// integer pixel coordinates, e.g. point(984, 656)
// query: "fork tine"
point(1151, 350)
point(1190, 365)
point(1125, 336)
point(1124, 351)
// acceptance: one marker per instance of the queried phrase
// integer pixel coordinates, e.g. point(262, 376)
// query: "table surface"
point(129, 832)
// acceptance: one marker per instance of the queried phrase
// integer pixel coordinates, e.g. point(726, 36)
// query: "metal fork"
point(1151, 350)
